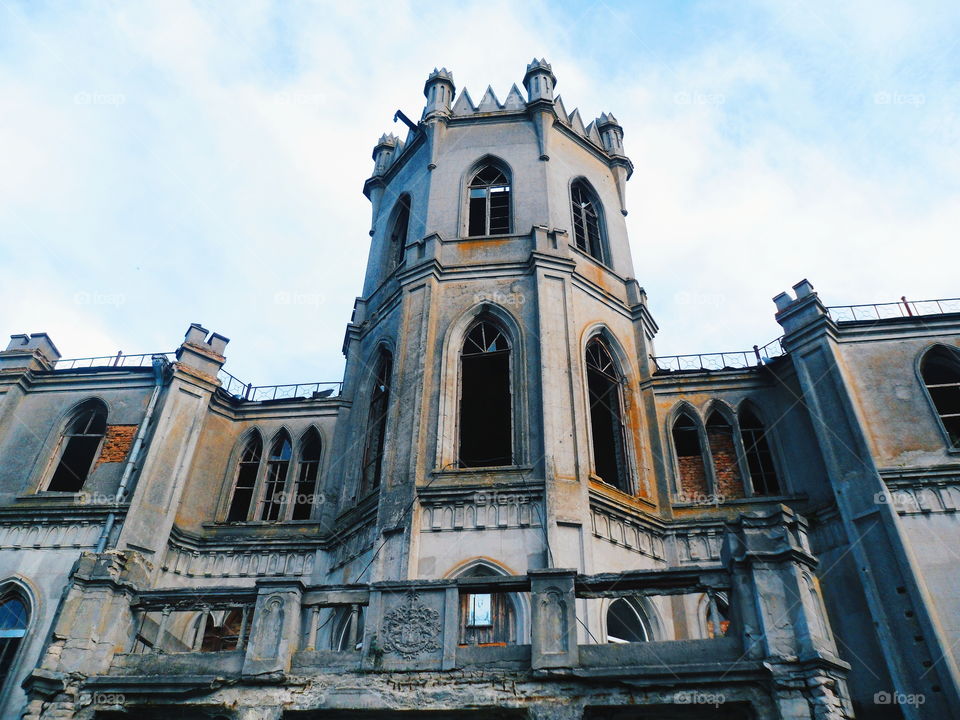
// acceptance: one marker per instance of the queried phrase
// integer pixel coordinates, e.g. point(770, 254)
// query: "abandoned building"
point(511, 507)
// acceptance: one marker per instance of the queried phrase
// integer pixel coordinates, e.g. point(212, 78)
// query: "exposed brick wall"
point(116, 443)
point(693, 479)
point(725, 468)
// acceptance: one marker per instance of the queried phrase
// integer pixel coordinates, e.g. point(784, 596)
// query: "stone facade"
point(488, 518)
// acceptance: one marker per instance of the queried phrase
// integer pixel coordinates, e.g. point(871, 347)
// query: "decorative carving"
point(411, 628)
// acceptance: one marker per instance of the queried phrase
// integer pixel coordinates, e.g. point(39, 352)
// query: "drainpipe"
point(159, 366)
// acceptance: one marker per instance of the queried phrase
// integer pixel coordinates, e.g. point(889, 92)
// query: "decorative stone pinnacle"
point(540, 66)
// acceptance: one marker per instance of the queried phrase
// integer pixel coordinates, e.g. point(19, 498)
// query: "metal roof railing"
point(885, 311)
point(118, 360)
point(257, 393)
point(737, 360)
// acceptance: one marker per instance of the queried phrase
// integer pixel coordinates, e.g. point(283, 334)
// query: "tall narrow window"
point(398, 231)
point(278, 466)
point(376, 424)
point(13, 626)
point(486, 427)
point(941, 375)
point(489, 202)
point(587, 220)
point(627, 622)
point(763, 473)
point(726, 469)
point(307, 477)
point(247, 470)
point(79, 447)
point(686, 442)
point(606, 421)
point(487, 618)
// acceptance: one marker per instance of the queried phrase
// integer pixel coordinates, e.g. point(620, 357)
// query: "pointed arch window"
point(606, 416)
point(756, 447)
point(486, 403)
point(248, 468)
point(489, 206)
point(376, 424)
point(627, 622)
point(398, 231)
point(278, 467)
point(587, 220)
point(940, 370)
point(14, 618)
point(79, 447)
point(690, 467)
point(307, 477)
point(723, 452)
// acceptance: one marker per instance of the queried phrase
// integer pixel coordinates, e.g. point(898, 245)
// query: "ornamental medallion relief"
point(411, 628)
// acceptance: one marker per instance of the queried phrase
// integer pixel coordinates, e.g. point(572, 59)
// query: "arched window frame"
point(722, 603)
point(953, 353)
point(646, 616)
point(21, 590)
point(381, 364)
point(520, 602)
point(467, 184)
point(291, 483)
point(773, 444)
point(448, 434)
point(729, 415)
point(61, 440)
point(601, 251)
point(396, 240)
point(688, 410)
point(612, 347)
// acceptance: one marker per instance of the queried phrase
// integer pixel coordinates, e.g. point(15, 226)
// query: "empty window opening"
point(376, 425)
point(222, 630)
point(348, 633)
point(79, 447)
point(487, 618)
point(398, 232)
point(726, 469)
point(307, 477)
point(627, 622)
point(489, 211)
point(686, 442)
point(278, 466)
point(763, 472)
point(14, 617)
point(606, 416)
point(587, 221)
point(716, 616)
point(247, 471)
point(486, 428)
point(941, 376)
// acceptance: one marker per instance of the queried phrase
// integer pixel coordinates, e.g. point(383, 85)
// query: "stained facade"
point(510, 507)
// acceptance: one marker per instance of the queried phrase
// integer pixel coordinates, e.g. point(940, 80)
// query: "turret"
point(611, 132)
point(539, 81)
point(439, 91)
point(383, 153)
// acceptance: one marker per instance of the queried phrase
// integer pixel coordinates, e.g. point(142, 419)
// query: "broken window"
point(941, 376)
point(627, 622)
point(398, 231)
point(489, 211)
point(606, 421)
point(79, 447)
point(763, 473)
point(222, 630)
point(278, 465)
point(376, 424)
point(247, 470)
point(14, 617)
point(587, 219)
point(716, 615)
point(307, 478)
point(692, 475)
point(726, 469)
point(486, 427)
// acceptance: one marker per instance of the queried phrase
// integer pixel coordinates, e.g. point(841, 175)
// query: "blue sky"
point(175, 162)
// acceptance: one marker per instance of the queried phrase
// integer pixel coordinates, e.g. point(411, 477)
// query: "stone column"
point(553, 619)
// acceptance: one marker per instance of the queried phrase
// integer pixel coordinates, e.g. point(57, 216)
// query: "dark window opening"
point(278, 465)
point(489, 206)
point(726, 469)
point(941, 376)
point(587, 225)
point(626, 622)
point(307, 479)
point(763, 473)
point(247, 470)
point(226, 635)
point(79, 447)
point(486, 428)
point(487, 618)
point(13, 627)
point(398, 233)
point(376, 425)
point(686, 443)
point(606, 421)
